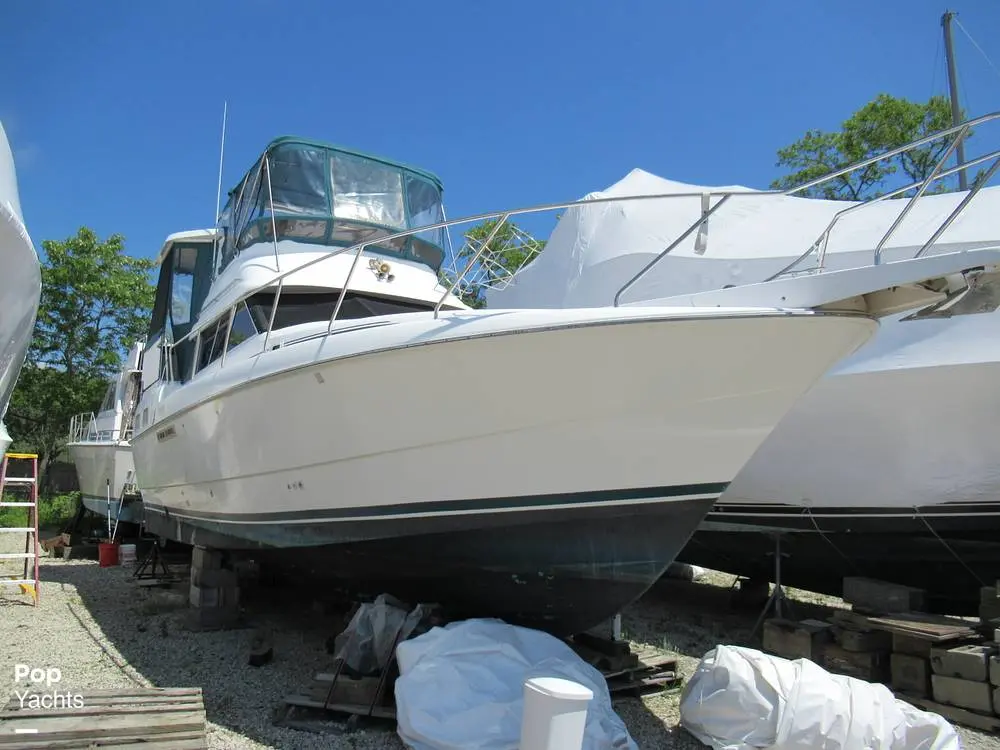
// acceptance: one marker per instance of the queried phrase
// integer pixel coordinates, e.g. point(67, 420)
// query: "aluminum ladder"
point(28, 484)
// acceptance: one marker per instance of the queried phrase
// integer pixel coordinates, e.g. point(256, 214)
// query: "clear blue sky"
point(114, 107)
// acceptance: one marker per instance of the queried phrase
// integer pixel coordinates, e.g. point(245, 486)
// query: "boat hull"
point(20, 284)
point(103, 469)
point(893, 457)
point(950, 551)
point(559, 570)
point(593, 432)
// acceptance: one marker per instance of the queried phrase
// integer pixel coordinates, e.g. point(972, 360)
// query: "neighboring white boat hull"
point(20, 284)
point(476, 433)
point(888, 468)
point(909, 421)
point(104, 469)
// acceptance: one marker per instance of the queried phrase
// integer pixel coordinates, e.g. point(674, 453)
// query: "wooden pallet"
point(151, 718)
point(627, 672)
point(934, 628)
point(653, 673)
point(337, 693)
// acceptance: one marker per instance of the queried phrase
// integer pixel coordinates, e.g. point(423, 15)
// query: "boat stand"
point(151, 560)
point(777, 598)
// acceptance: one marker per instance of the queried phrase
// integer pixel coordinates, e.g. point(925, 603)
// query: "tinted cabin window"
point(213, 339)
point(158, 319)
point(243, 327)
point(295, 309)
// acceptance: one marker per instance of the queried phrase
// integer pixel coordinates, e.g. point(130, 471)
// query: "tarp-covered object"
point(596, 248)
point(366, 643)
point(461, 687)
point(740, 698)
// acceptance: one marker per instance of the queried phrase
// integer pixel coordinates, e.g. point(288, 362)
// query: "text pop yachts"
point(34, 677)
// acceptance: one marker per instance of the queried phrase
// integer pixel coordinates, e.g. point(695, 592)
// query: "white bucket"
point(555, 714)
point(126, 553)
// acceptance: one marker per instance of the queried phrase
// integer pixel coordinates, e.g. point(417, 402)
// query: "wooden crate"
point(796, 640)
point(150, 718)
point(882, 597)
point(872, 666)
point(911, 674)
point(850, 639)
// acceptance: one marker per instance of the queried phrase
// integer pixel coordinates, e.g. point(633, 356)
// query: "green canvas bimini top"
point(313, 143)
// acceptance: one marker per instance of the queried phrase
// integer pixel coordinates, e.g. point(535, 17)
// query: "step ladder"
point(29, 486)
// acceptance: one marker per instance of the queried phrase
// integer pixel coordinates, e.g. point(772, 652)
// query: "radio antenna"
point(222, 152)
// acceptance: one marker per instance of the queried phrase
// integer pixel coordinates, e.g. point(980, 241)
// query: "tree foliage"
point(509, 250)
point(95, 303)
point(885, 123)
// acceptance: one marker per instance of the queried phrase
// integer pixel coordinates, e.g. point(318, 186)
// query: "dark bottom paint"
point(951, 560)
point(563, 570)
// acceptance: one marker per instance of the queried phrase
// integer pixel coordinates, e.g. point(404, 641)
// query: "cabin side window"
point(243, 327)
point(211, 342)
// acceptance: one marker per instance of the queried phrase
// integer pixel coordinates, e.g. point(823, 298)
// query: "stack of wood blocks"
point(940, 664)
point(214, 591)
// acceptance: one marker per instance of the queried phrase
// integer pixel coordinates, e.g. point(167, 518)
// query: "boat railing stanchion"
point(343, 292)
point(482, 248)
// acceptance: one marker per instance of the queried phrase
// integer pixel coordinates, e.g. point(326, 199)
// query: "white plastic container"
point(555, 714)
point(126, 554)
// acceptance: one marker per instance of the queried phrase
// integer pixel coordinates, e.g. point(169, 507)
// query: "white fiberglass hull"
point(20, 284)
point(507, 423)
point(887, 468)
point(104, 469)
point(910, 421)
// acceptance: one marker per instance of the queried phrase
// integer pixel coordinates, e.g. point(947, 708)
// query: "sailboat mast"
point(956, 114)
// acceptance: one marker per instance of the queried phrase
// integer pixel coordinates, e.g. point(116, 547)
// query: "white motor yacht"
point(99, 445)
point(314, 396)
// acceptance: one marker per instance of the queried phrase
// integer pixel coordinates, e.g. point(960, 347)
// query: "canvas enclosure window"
point(298, 181)
point(367, 191)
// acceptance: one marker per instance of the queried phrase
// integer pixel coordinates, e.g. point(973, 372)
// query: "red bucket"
point(107, 554)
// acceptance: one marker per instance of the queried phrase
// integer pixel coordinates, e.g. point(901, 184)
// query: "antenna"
point(222, 152)
point(956, 116)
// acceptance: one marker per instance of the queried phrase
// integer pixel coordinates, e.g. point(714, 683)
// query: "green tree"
point(95, 303)
point(885, 123)
point(509, 250)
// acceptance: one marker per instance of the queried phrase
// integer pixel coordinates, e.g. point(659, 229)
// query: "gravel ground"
point(102, 631)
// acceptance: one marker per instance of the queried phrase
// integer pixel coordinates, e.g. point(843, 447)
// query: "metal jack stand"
point(777, 597)
point(151, 560)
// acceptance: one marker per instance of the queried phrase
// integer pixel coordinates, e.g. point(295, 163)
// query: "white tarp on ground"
point(595, 249)
point(742, 699)
point(461, 687)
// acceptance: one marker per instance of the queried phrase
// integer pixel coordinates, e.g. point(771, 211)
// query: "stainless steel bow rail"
point(818, 248)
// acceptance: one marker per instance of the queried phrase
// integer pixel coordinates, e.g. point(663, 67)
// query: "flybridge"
point(318, 193)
